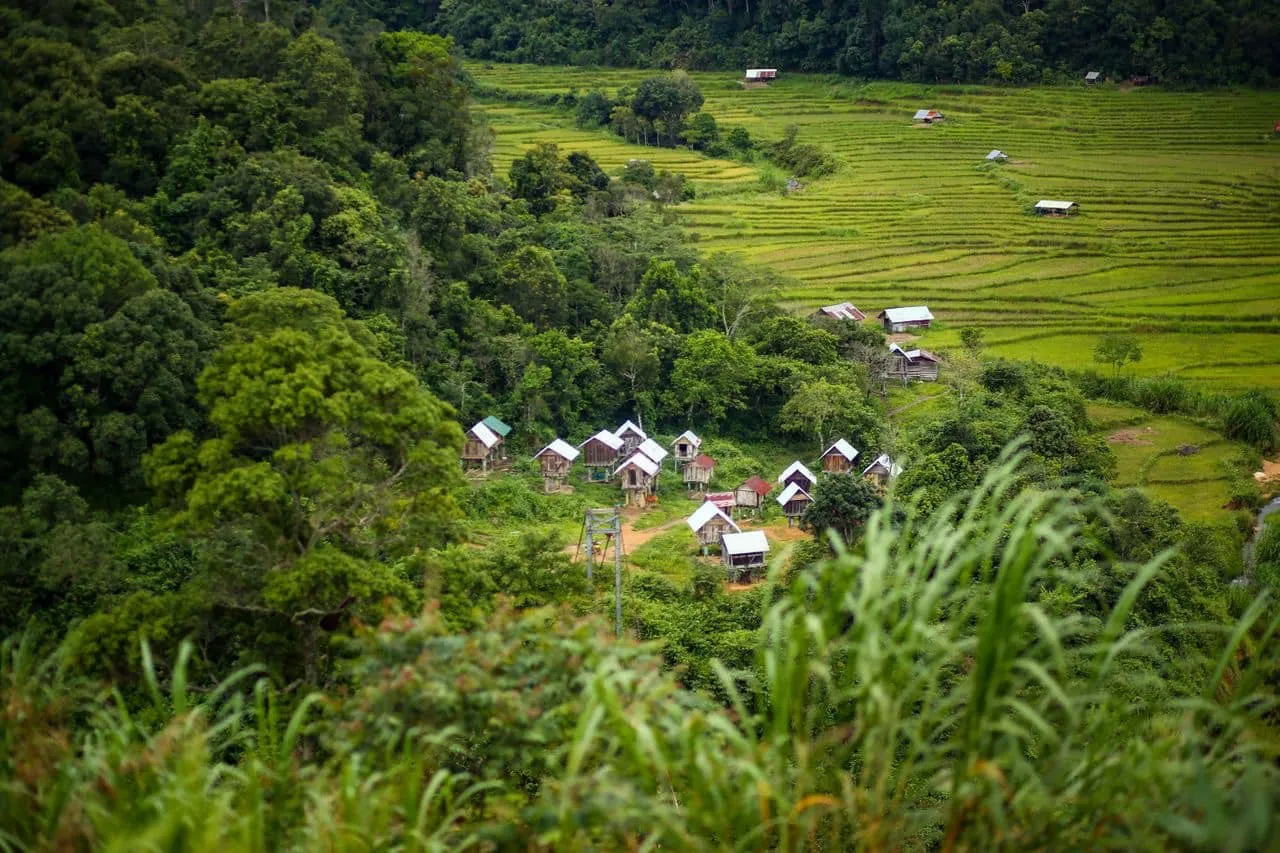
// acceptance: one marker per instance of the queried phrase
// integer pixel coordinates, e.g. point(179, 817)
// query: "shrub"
point(706, 583)
point(1251, 417)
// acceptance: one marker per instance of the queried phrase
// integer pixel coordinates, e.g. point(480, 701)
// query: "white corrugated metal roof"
point(627, 427)
point(790, 492)
point(844, 448)
point(1050, 204)
point(644, 463)
point(921, 114)
point(606, 438)
point(910, 314)
point(794, 467)
point(705, 513)
point(653, 450)
point(559, 447)
point(886, 463)
point(484, 435)
point(693, 439)
point(751, 542)
point(997, 154)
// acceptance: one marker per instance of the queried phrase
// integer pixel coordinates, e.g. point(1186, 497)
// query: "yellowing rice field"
point(1177, 240)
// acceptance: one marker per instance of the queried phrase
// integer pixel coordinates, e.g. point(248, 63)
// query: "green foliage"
point(99, 363)
point(801, 158)
point(1117, 350)
point(1267, 548)
point(711, 375)
point(841, 503)
point(825, 411)
point(1251, 418)
point(971, 338)
point(904, 41)
point(537, 729)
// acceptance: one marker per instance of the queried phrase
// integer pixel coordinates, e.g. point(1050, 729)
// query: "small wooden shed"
point(601, 454)
point(685, 447)
point(481, 447)
point(760, 75)
point(907, 365)
point(751, 493)
point(556, 459)
point(709, 523)
point(1093, 77)
point(927, 116)
point(639, 475)
point(838, 458)
point(997, 155)
point(794, 501)
point(907, 319)
point(697, 472)
point(882, 470)
point(1052, 207)
point(744, 553)
point(798, 474)
point(630, 435)
point(839, 311)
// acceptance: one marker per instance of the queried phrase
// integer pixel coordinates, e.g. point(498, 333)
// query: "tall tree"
point(325, 465)
point(841, 502)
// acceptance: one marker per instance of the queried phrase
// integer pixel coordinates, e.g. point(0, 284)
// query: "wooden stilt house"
point(639, 477)
point(882, 470)
point(556, 459)
point(910, 319)
point(600, 453)
point(630, 435)
point(501, 430)
point(744, 553)
point(751, 494)
point(481, 447)
point(709, 523)
point(838, 458)
point(794, 501)
point(798, 474)
point(685, 448)
point(697, 472)
point(908, 365)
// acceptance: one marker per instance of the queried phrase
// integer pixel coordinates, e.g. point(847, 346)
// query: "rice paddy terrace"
point(1178, 236)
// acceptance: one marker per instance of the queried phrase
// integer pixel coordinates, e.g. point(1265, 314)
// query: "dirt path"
point(631, 538)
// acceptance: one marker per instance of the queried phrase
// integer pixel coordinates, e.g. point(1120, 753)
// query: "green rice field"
point(1177, 240)
point(1170, 458)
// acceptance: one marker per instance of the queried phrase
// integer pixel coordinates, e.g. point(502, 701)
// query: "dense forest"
point(1188, 42)
point(256, 275)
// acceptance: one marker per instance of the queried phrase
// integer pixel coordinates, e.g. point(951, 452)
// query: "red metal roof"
point(702, 460)
point(724, 500)
point(758, 485)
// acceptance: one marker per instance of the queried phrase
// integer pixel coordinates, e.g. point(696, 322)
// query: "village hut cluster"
point(715, 522)
point(903, 365)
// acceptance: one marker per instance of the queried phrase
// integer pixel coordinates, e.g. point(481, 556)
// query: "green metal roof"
point(497, 426)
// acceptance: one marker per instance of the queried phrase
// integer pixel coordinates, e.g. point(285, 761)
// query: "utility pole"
point(605, 525)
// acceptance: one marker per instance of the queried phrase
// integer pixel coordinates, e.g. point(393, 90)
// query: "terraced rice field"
point(1178, 238)
point(1171, 459)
